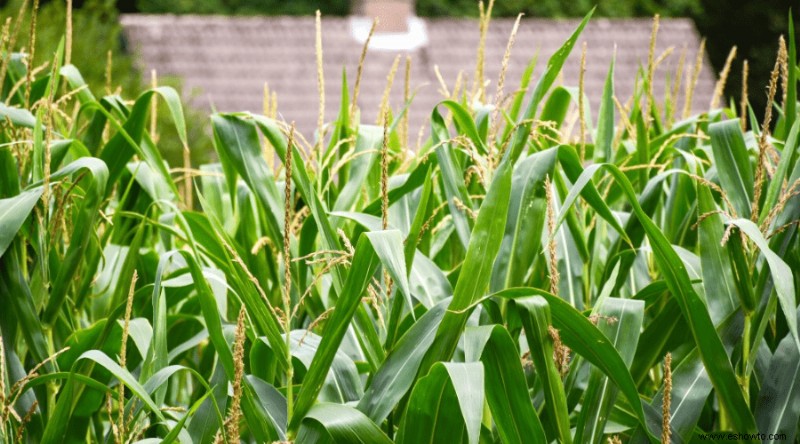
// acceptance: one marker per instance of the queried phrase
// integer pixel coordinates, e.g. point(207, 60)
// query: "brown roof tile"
point(229, 59)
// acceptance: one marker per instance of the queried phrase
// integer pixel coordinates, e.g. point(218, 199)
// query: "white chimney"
point(398, 28)
point(392, 15)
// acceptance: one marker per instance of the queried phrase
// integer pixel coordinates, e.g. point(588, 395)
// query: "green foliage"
point(96, 32)
point(506, 284)
point(754, 28)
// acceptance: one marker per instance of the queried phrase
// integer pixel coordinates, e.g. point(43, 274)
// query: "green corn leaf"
point(556, 107)
point(570, 162)
point(790, 104)
point(603, 150)
point(130, 138)
point(653, 340)
point(178, 428)
point(788, 155)
point(301, 180)
point(553, 68)
point(523, 230)
point(465, 124)
point(419, 220)
point(157, 357)
point(367, 148)
point(272, 403)
point(75, 80)
point(125, 377)
point(414, 180)
point(506, 389)
point(620, 320)
point(718, 281)
point(693, 308)
point(334, 423)
point(84, 227)
point(781, 274)
point(516, 105)
point(778, 407)
point(475, 275)
point(15, 293)
point(343, 383)
point(389, 248)
point(535, 314)
point(237, 144)
point(393, 379)
point(452, 177)
point(13, 213)
point(445, 405)
point(17, 116)
point(691, 385)
point(365, 262)
point(733, 164)
point(582, 337)
point(367, 335)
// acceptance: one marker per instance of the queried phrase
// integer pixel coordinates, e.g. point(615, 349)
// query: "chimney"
point(392, 15)
point(398, 28)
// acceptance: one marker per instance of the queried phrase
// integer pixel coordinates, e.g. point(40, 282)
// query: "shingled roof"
point(228, 59)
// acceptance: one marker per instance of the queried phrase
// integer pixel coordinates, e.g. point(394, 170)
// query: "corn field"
point(525, 274)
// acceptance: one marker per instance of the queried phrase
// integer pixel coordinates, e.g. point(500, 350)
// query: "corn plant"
point(508, 280)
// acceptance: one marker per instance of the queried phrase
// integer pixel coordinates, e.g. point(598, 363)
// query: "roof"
point(228, 59)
